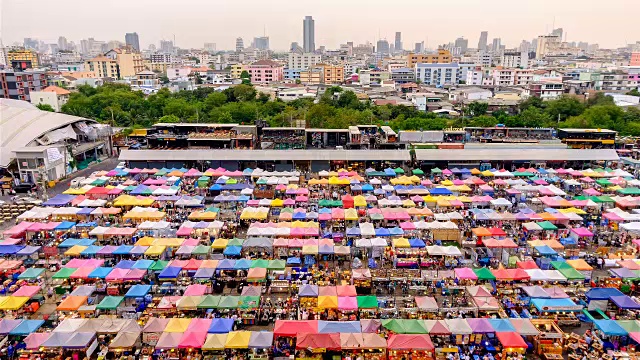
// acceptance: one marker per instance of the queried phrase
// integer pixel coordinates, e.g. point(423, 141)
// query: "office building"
point(265, 71)
point(309, 35)
point(295, 47)
point(103, 67)
point(440, 74)
point(131, 39)
point(30, 43)
point(19, 85)
point(166, 46)
point(482, 42)
point(62, 43)
point(546, 44)
point(382, 46)
point(398, 42)
point(558, 32)
point(129, 61)
point(210, 47)
point(21, 59)
point(92, 47)
point(514, 59)
point(239, 44)
point(419, 47)
point(261, 43)
point(462, 44)
point(496, 44)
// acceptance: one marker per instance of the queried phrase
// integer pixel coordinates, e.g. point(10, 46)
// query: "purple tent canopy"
point(624, 302)
point(85, 211)
point(6, 325)
point(59, 200)
point(168, 198)
point(522, 216)
point(107, 250)
point(624, 273)
point(308, 290)
point(480, 325)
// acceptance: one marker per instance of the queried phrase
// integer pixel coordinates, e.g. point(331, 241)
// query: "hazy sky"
point(336, 21)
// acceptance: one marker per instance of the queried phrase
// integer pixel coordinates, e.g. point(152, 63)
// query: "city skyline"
point(332, 28)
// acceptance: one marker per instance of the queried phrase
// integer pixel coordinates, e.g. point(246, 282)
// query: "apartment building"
point(635, 59)
point(236, 71)
point(18, 85)
point(303, 61)
point(403, 75)
point(546, 90)
point(610, 81)
point(511, 77)
point(323, 74)
point(441, 57)
point(129, 61)
point(368, 77)
point(514, 59)
point(54, 96)
point(265, 71)
point(103, 67)
point(441, 74)
point(22, 59)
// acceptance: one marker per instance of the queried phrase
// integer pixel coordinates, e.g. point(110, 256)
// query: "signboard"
point(150, 338)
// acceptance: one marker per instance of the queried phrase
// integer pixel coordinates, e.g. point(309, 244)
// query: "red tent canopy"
point(293, 327)
point(497, 232)
point(527, 265)
point(318, 341)
point(410, 342)
point(495, 243)
point(511, 340)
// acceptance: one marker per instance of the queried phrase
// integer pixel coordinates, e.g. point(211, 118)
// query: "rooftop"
point(56, 89)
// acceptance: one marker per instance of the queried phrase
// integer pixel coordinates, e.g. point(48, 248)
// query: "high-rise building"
point(131, 39)
point(398, 42)
point(62, 43)
point(18, 85)
point(419, 47)
point(382, 46)
point(482, 42)
point(30, 43)
point(545, 44)
point(463, 44)
point(261, 43)
point(210, 47)
point(557, 32)
point(495, 45)
point(295, 47)
point(166, 46)
point(309, 34)
point(239, 44)
point(22, 59)
point(582, 45)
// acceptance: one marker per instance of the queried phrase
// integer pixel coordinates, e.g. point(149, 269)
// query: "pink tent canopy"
point(76, 263)
point(199, 325)
point(407, 225)
point(184, 231)
point(346, 290)
point(327, 291)
point(465, 273)
point(347, 303)
point(117, 274)
point(82, 273)
point(35, 340)
point(134, 274)
point(582, 232)
point(27, 291)
point(592, 192)
point(18, 229)
point(195, 290)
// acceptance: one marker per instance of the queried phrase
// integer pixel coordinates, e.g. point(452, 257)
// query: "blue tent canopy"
point(59, 200)
point(28, 250)
point(382, 232)
point(367, 187)
point(389, 172)
point(242, 264)
point(10, 249)
point(170, 272)
point(91, 250)
point(100, 273)
point(125, 264)
point(27, 327)
point(226, 264)
point(72, 242)
point(142, 264)
point(123, 250)
point(624, 302)
point(138, 250)
point(85, 211)
point(327, 327)
point(65, 225)
point(417, 243)
point(216, 187)
point(395, 231)
point(324, 210)
point(86, 224)
point(554, 305)
point(299, 216)
point(141, 190)
point(232, 250)
point(545, 250)
point(325, 249)
point(440, 191)
point(501, 325)
point(137, 291)
point(354, 231)
point(610, 327)
point(602, 293)
point(204, 273)
point(221, 326)
point(293, 261)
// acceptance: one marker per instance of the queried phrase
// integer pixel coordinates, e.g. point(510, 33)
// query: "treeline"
point(118, 105)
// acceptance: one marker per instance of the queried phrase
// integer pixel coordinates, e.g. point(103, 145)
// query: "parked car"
point(24, 188)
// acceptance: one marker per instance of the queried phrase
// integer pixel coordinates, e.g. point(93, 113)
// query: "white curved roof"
point(22, 123)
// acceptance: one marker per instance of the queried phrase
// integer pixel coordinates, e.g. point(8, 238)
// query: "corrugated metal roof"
point(517, 154)
point(264, 155)
point(20, 125)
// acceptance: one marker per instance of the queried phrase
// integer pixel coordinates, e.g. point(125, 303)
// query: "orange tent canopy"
point(72, 303)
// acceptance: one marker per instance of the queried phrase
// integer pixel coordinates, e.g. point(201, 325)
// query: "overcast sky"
point(336, 21)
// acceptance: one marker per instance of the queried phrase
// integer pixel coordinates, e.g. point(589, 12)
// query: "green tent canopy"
point(158, 265)
point(64, 273)
point(259, 263)
point(546, 225)
point(558, 265)
point(484, 274)
point(209, 302)
point(229, 302)
point(367, 302)
point(417, 172)
point(249, 302)
point(201, 250)
point(110, 303)
point(31, 273)
point(571, 274)
point(398, 170)
point(629, 191)
point(276, 265)
point(436, 171)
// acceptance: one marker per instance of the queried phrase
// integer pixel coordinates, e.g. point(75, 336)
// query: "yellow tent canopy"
point(219, 243)
point(359, 201)
point(328, 302)
point(215, 342)
point(238, 340)
point(178, 325)
point(487, 173)
point(168, 242)
point(13, 302)
point(351, 214)
point(155, 250)
point(145, 241)
point(75, 250)
point(572, 210)
point(203, 215)
point(401, 243)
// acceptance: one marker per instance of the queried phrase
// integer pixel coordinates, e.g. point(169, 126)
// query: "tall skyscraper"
point(482, 43)
point(463, 44)
point(382, 46)
point(419, 47)
point(398, 42)
point(30, 43)
point(210, 47)
point(495, 46)
point(261, 43)
point(166, 46)
point(558, 32)
point(239, 44)
point(131, 39)
point(62, 43)
point(309, 34)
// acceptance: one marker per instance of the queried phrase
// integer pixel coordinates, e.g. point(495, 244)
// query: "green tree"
point(564, 107)
point(169, 119)
point(245, 77)
point(534, 117)
point(600, 98)
point(531, 101)
point(348, 99)
point(263, 98)
point(215, 99)
point(164, 79)
point(45, 107)
point(634, 92)
point(478, 108)
point(244, 92)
